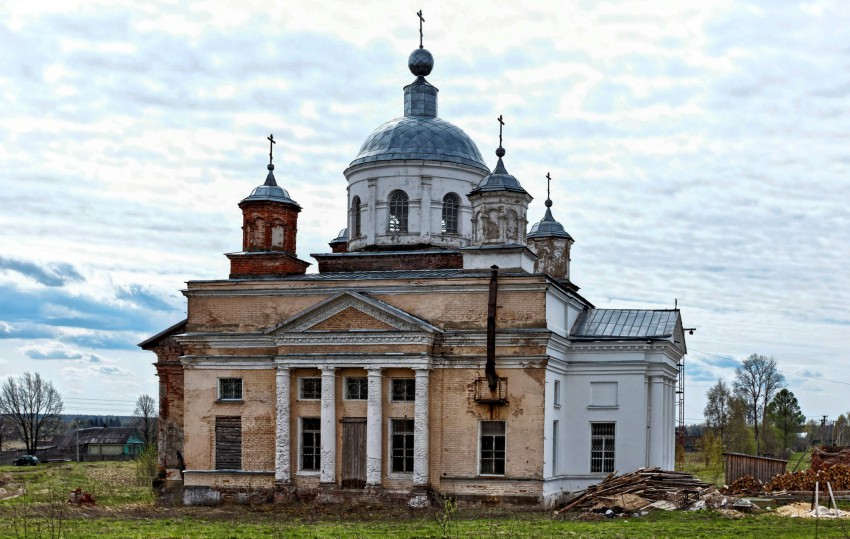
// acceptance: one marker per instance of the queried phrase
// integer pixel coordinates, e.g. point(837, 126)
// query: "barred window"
point(492, 448)
point(356, 388)
point(451, 205)
point(404, 390)
point(230, 389)
point(398, 212)
point(602, 447)
point(355, 210)
point(402, 445)
point(311, 389)
point(311, 443)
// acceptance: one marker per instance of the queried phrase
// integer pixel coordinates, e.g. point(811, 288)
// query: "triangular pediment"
point(352, 311)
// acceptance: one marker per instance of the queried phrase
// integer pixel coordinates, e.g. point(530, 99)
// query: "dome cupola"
point(551, 243)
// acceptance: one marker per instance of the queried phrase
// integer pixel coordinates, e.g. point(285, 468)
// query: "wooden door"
point(354, 452)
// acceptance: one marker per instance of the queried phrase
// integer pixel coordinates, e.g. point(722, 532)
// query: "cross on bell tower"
point(421, 20)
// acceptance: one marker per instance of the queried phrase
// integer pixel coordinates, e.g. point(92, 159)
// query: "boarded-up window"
point(603, 393)
point(402, 445)
point(493, 447)
point(602, 447)
point(228, 443)
point(311, 443)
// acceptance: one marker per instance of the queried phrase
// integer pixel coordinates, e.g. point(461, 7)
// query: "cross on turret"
point(548, 181)
point(421, 20)
point(271, 143)
point(501, 124)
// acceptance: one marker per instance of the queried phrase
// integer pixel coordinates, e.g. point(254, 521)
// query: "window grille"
point(602, 447)
point(402, 445)
point(398, 212)
point(356, 388)
point(404, 390)
point(230, 389)
point(492, 448)
point(451, 205)
point(311, 443)
point(311, 388)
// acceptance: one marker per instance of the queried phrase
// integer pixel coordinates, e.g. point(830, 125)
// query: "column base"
point(284, 492)
point(328, 493)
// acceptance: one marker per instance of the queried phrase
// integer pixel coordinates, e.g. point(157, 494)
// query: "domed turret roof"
point(419, 134)
point(270, 191)
point(499, 179)
point(548, 227)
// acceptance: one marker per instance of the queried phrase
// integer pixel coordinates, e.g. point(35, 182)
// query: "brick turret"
point(269, 229)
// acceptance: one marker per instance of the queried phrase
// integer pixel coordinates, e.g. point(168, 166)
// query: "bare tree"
point(756, 381)
point(144, 419)
point(32, 406)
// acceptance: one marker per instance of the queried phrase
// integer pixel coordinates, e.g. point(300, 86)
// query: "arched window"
point(355, 209)
point(397, 221)
point(451, 206)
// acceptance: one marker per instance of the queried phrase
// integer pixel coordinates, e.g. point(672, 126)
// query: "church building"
point(440, 347)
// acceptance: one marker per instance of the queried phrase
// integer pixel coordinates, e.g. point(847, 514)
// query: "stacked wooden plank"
point(826, 456)
point(838, 477)
point(652, 484)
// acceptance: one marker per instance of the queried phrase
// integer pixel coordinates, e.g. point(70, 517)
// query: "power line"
point(796, 373)
point(97, 400)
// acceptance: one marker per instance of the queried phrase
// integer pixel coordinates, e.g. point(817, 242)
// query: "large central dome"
point(419, 134)
point(420, 137)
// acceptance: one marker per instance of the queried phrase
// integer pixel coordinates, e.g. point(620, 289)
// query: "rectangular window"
point(356, 388)
point(311, 389)
point(402, 445)
point(311, 443)
point(404, 390)
point(602, 447)
point(557, 396)
point(492, 448)
point(228, 443)
point(230, 389)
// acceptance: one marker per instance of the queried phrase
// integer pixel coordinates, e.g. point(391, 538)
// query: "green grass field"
point(126, 510)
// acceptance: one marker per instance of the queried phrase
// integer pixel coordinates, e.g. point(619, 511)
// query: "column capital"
point(282, 369)
point(327, 370)
point(374, 371)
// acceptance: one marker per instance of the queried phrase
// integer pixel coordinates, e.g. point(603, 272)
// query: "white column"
point(425, 209)
point(374, 429)
point(420, 429)
point(328, 474)
point(656, 421)
point(372, 215)
point(282, 463)
point(670, 412)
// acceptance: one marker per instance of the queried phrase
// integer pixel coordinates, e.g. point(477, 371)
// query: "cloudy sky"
point(698, 151)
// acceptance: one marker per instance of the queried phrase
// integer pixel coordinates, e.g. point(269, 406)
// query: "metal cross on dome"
point(548, 181)
point(501, 124)
point(421, 20)
point(271, 140)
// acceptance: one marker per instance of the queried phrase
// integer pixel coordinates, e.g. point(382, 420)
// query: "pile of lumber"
point(827, 456)
point(650, 484)
point(838, 477)
point(746, 485)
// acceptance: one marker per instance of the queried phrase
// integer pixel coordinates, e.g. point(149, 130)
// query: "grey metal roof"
point(548, 226)
point(395, 274)
point(420, 137)
point(270, 190)
point(499, 179)
point(623, 324)
point(106, 435)
point(342, 237)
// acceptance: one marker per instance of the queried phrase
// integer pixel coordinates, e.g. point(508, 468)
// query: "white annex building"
point(440, 348)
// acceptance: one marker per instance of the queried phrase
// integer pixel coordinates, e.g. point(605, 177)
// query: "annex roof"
point(623, 324)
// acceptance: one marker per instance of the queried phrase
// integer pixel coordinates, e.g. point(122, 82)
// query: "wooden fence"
point(762, 468)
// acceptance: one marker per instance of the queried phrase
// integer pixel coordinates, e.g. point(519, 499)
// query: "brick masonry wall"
point(351, 318)
point(256, 265)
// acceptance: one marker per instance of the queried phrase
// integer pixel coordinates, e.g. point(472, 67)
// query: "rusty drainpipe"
point(490, 367)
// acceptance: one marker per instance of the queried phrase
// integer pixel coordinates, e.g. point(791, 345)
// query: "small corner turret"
point(551, 243)
point(269, 229)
